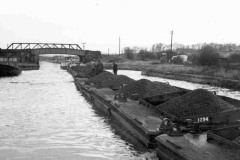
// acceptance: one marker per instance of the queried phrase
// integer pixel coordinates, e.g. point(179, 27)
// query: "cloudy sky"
point(99, 23)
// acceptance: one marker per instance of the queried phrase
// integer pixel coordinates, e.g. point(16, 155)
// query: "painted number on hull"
point(203, 119)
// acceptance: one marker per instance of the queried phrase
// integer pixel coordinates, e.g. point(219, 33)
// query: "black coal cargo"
point(197, 102)
point(146, 88)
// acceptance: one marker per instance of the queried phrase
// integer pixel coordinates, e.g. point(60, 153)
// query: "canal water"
point(44, 116)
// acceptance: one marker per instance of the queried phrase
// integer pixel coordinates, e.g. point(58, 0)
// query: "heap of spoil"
point(145, 88)
point(109, 80)
point(82, 71)
point(197, 102)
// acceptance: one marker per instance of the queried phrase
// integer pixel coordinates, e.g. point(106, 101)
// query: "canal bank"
point(216, 81)
point(201, 79)
point(146, 124)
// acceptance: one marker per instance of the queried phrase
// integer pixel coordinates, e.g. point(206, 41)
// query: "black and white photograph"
point(119, 80)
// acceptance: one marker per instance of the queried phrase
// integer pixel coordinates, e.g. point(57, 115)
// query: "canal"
point(44, 116)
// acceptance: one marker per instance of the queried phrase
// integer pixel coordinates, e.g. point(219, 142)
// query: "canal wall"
point(216, 81)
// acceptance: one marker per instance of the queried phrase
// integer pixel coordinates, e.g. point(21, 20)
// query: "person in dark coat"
point(115, 68)
point(93, 66)
point(99, 67)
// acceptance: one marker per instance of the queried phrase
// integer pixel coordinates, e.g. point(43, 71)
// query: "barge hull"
point(111, 110)
point(112, 114)
point(8, 71)
point(187, 147)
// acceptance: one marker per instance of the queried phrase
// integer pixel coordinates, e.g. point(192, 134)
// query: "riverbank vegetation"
point(210, 60)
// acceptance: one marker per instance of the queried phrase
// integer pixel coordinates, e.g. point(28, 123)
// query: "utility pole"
point(171, 39)
point(119, 45)
point(83, 45)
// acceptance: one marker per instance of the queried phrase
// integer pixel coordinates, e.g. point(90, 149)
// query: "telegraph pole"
point(119, 45)
point(171, 39)
point(83, 45)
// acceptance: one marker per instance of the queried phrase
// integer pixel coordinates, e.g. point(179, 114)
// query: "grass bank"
point(233, 74)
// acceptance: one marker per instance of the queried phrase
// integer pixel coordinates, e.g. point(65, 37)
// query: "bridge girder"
point(14, 46)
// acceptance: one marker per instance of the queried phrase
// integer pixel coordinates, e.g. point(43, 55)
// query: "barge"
point(144, 124)
point(9, 67)
point(171, 137)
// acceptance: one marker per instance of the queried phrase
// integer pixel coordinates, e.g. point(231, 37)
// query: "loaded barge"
point(206, 136)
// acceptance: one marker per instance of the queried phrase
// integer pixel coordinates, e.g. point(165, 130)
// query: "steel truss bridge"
point(28, 53)
point(48, 48)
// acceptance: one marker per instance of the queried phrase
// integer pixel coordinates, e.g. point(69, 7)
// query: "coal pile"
point(120, 80)
point(145, 88)
point(109, 80)
point(104, 76)
point(197, 102)
point(82, 71)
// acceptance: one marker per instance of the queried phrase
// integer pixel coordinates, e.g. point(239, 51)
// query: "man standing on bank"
point(115, 68)
point(93, 66)
point(99, 67)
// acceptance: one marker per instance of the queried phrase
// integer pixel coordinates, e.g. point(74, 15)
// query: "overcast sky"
point(99, 23)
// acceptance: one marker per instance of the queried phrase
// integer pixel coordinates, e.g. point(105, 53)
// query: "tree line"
point(158, 47)
point(202, 54)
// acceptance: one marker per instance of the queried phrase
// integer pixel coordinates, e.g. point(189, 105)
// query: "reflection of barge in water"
point(9, 67)
point(159, 132)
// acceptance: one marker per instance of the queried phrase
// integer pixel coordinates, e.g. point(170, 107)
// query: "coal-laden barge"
point(9, 66)
point(178, 124)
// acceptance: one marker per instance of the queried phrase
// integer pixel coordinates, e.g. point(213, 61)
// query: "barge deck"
point(194, 146)
point(144, 124)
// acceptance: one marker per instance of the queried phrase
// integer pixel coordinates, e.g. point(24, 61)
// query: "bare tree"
point(158, 47)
